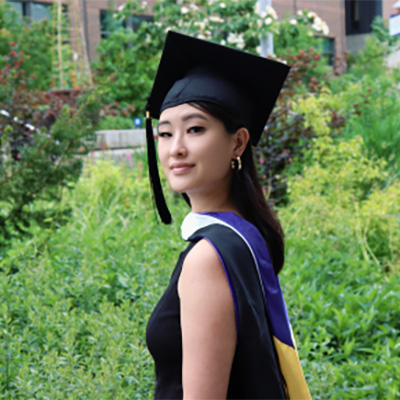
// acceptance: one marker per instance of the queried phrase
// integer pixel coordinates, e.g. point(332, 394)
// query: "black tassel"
point(154, 175)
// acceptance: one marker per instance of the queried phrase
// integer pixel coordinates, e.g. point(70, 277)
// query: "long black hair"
point(247, 192)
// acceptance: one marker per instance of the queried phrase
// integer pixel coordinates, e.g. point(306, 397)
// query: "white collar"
point(194, 221)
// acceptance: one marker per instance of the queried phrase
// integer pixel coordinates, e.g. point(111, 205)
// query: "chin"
point(179, 188)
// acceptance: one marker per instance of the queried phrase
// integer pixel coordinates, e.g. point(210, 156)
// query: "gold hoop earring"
point(236, 165)
point(239, 162)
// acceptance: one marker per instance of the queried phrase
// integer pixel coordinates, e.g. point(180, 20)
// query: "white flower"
point(263, 14)
point(293, 21)
point(258, 49)
point(194, 7)
point(317, 20)
point(184, 10)
point(300, 13)
point(200, 24)
point(268, 21)
point(223, 42)
point(272, 12)
point(236, 38)
point(325, 28)
point(75, 56)
point(259, 23)
point(215, 18)
point(222, 5)
point(200, 36)
point(320, 26)
point(121, 7)
point(312, 14)
point(232, 37)
point(257, 8)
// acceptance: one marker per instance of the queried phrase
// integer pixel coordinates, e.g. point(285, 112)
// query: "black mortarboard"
point(191, 70)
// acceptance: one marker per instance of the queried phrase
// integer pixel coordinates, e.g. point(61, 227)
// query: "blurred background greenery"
point(83, 259)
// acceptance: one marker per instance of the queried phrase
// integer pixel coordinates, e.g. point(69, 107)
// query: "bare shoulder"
point(202, 263)
point(207, 323)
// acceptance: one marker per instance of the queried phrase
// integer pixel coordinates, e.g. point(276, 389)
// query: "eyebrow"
point(185, 118)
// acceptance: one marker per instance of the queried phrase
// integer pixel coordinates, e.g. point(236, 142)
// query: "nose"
point(178, 148)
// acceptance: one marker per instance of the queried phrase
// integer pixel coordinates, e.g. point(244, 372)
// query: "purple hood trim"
point(270, 282)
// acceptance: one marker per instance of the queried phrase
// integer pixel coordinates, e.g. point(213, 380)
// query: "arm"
point(208, 324)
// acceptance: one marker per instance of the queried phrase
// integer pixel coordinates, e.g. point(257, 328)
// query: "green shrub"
point(342, 272)
point(373, 111)
point(36, 163)
point(34, 40)
point(72, 315)
point(370, 60)
point(292, 126)
point(116, 122)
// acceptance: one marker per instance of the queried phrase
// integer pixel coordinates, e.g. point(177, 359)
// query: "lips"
point(180, 168)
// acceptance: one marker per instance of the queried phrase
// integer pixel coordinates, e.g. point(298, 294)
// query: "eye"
point(196, 129)
point(164, 134)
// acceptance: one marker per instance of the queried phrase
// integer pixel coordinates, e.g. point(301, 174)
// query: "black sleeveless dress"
point(255, 372)
point(164, 338)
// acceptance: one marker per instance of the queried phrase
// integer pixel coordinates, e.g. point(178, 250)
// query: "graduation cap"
point(191, 70)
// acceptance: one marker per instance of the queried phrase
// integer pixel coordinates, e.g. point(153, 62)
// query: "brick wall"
point(93, 16)
point(331, 11)
point(387, 8)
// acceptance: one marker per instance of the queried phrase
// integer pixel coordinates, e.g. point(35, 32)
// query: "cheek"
point(217, 157)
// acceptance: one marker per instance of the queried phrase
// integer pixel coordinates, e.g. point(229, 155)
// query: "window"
point(40, 11)
point(328, 49)
point(360, 14)
point(30, 9)
point(109, 24)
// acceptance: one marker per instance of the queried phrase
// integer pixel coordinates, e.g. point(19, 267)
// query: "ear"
point(242, 137)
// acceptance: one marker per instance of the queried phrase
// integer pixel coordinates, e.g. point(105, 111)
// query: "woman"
point(221, 328)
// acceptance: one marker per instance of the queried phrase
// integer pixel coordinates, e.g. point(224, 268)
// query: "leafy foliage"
point(294, 122)
point(295, 34)
point(370, 60)
point(372, 107)
point(74, 311)
point(41, 137)
point(237, 24)
point(116, 116)
point(75, 296)
point(342, 226)
point(34, 40)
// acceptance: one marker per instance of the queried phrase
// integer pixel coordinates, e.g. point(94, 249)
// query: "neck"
point(211, 202)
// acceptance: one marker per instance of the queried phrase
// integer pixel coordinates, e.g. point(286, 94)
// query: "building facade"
point(349, 20)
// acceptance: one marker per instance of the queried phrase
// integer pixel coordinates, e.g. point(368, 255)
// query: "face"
point(195, 150)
